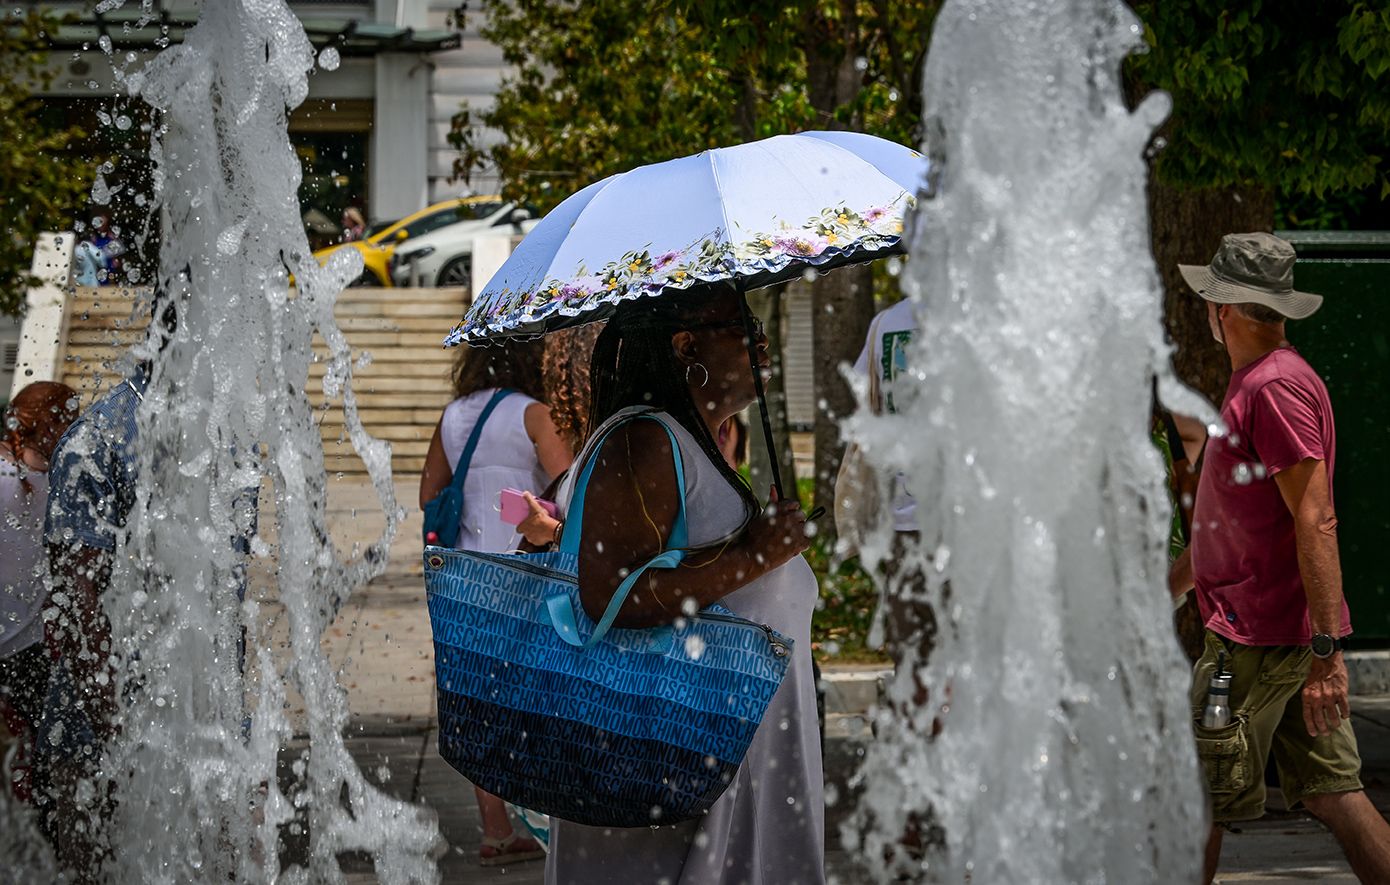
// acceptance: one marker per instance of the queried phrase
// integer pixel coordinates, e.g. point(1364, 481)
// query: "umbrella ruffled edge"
point(763, 260)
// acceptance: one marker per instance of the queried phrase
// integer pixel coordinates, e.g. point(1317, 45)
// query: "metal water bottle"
point(1218, 711)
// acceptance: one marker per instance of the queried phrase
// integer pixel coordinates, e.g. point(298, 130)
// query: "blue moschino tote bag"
point(601, 726)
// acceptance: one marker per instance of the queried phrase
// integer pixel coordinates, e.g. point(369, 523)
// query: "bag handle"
point(560, 607)
point(461, 469)
point(574, 517)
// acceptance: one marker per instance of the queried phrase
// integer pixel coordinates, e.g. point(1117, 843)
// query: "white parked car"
point(444, 257)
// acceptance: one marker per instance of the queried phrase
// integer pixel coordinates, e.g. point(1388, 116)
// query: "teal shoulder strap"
point(561, 611)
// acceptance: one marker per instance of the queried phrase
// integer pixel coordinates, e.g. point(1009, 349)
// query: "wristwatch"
point(1325, 646)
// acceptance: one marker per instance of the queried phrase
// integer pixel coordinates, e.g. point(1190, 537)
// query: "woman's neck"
point(713, 412)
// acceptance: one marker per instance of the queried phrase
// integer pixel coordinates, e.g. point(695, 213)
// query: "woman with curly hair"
point(565, 375)
point(517, 448)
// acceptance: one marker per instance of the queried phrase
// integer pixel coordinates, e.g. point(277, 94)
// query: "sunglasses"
point(737, 323)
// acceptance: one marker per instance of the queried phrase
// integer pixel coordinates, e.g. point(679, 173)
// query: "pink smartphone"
point(514, 509)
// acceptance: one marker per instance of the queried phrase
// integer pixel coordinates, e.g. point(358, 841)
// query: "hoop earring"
point(702, 369)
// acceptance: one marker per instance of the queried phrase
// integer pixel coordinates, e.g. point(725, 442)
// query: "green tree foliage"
point(601, 86)
point(1290, 96)
point(40, 188)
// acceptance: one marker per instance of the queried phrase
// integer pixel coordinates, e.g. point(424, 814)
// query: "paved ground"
point(381, 641)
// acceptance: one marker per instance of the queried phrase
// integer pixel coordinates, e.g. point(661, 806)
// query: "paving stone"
point(381, 642)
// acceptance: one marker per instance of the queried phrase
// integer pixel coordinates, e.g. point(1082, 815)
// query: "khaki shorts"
point(1267, 705)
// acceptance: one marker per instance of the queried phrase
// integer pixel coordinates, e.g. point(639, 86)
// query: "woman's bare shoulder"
point(643, 443)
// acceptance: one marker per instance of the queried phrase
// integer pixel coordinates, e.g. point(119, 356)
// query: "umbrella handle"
point(762, 395)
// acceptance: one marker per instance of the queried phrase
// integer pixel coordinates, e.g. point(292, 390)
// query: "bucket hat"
point(1252, 269)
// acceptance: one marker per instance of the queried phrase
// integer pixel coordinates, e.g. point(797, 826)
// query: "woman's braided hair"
point(634, 364)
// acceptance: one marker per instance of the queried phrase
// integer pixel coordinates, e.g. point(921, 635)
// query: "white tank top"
point(504, 459)
point(22, 563)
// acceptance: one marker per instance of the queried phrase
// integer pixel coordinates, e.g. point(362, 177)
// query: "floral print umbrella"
point(754, 214)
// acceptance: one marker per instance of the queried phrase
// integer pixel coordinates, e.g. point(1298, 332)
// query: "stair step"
point(399, 448)
point(391, 432)
point(421, 367)
point(400, 393)
point(372, 417)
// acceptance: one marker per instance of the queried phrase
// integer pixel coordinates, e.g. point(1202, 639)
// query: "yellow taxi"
point(378, 247)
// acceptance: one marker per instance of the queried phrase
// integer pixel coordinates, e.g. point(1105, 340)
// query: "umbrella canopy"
point(754, 214)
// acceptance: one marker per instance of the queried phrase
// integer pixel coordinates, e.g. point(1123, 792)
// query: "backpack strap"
point(461, 469)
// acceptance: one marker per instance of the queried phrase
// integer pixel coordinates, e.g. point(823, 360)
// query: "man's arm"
point(80, 634)
point(1180, 574)
point(1308, 495)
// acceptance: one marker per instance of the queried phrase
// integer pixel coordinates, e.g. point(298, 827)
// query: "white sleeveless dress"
point(505, 458)
point(769, 826)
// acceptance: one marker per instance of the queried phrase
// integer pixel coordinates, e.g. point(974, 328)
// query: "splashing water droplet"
point(329, 59)
point(695, 647)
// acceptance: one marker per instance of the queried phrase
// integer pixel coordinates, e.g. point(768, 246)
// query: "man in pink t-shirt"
point(1264, 563)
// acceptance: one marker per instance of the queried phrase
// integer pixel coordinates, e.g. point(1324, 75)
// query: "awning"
point(350, 37)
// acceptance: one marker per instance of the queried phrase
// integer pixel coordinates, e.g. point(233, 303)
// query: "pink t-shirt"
point(1244, 557)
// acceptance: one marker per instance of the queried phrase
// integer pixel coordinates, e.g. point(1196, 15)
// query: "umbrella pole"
point(758, 388)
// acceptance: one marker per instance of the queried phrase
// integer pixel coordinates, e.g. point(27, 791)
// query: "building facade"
point(373, 133)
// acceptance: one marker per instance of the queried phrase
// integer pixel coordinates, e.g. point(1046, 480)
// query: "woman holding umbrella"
point(517, 448)
point(664, 253)
point(687, 362)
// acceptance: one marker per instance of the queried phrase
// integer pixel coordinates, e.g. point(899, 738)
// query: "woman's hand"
point(539, 527)
point(779, 534)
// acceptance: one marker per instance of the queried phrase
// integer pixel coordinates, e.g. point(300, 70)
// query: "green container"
point(1348, 343)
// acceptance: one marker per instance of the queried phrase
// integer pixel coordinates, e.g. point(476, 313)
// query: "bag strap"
point(574, 517)
point(461, 469)
point(1176, 452)
point(561, 610)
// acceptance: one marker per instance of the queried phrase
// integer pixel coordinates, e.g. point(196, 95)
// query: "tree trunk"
point(843, 301)
point(769, 304)
point(843, 305)
point(1187, 226)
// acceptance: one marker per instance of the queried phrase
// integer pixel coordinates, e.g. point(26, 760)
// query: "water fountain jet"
point(225, 419)
point(1065, 753)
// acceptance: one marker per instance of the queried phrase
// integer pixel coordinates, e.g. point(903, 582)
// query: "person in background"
point(354, 225)
point(34, 421)
point(88, 264)
point(565, 376)
point(91, 493)
point(1179, 440)
point(518, 447)
point(104, 239)
point(910, 623)
point(1264, 562)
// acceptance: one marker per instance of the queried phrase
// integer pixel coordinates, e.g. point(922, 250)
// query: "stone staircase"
point(400, 393)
